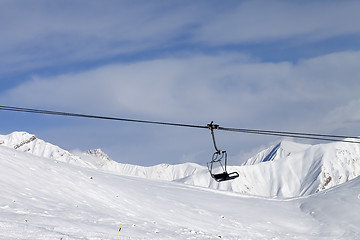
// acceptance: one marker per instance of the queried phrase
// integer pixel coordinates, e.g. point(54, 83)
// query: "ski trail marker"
point(120, 228)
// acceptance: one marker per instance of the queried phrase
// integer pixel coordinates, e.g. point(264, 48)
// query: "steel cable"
point(313, 136)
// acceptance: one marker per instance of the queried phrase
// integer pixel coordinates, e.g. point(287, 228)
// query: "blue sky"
point(275, 65)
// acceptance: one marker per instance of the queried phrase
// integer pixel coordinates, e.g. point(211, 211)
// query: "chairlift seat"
point(224, 176)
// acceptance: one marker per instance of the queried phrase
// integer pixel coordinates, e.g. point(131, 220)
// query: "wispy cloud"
point(318, 95)
point(36, 34)
point(227, 87)
point(264, 21)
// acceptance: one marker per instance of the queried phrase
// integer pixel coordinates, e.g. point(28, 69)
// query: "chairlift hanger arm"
point(212, 126)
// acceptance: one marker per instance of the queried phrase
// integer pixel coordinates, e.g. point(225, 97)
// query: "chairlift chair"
point(217, 159)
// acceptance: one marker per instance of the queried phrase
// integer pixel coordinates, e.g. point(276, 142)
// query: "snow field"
point(48, 199)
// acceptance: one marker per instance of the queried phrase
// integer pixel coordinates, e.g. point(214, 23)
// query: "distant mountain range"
point(286, 169)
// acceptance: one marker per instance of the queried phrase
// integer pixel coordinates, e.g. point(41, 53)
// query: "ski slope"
point(44, 198)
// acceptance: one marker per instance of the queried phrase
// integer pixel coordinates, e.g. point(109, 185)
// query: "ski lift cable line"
point(314, 136)
point(257, 131)
point(296, 135)
point(49, 112)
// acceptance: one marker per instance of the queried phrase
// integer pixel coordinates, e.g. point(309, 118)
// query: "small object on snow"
point(120, 228)
point(91, 177)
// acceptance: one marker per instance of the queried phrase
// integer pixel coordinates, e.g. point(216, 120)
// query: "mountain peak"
point(17, 140)
point(281, 150)
point(26, 142)
point(98, 153)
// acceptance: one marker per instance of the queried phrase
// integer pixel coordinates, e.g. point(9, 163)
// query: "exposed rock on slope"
point(26, 142)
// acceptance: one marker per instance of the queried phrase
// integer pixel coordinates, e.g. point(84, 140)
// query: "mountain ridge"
point(284, 170)
point(27, 142)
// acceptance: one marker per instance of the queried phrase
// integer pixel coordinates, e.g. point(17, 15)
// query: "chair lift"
point(217, 157)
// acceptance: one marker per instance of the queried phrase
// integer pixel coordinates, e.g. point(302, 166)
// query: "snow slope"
point(287, 169)
point(27, 142)
point(281, 150)
point(290, 169)
point(161, 172)
point(47, 199)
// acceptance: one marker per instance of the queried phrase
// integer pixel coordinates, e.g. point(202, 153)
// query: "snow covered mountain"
point(281, 150)
point(96, 158)
point(161, 172)
point(287, 169)
point(27, 142)
point(291, 169)
point(44, 198)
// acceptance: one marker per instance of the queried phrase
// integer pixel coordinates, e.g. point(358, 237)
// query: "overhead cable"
point(313, 136)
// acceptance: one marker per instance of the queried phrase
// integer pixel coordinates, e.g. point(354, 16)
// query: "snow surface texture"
point(287, 169)
point(43, 198)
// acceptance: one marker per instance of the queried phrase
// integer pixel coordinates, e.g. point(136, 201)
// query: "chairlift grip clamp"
point(212, 126)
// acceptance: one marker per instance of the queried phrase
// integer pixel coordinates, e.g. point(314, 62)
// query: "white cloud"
point(229, 88)
point(49, 34)
point(315, 95)
point(263, 21)
point(345, 119)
